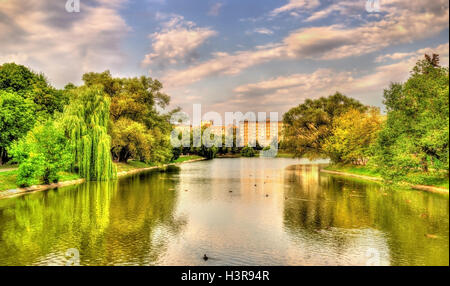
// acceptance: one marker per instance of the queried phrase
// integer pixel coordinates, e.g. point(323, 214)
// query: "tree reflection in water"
point(275, 215)
point(106, 226)
point(330, 215)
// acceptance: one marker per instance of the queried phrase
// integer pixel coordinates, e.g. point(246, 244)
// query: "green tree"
point(354, 135)
point(207, 152)
point(28, 84)
point(130, 139)
point(135, 101)
point(416, 134)
point(85, 121)
point(41, 154)
point(16, 119)
point(31, 95)
point(309, 125)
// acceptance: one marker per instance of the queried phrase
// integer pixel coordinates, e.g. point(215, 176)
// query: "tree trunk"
point(3, 156)
point(124, 155)
point(424, 164)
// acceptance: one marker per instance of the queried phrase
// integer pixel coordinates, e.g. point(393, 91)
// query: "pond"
point(247, 211)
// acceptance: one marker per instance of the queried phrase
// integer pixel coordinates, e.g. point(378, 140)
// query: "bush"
point(176, 153)
point(208, 152)
point(29, 171)
point(248, 152)
point(41, 154)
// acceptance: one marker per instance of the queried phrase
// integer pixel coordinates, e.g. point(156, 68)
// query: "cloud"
point(441, 50)
point(401, 24)
point(290, 90)
point(344, 8)
point(42, 35)
point(222, 63)
point(394, 56)
point(296, 5)
point(263, 31)
point(283, 92)
point(215, 9)
point(177, 41)
point(398, 25)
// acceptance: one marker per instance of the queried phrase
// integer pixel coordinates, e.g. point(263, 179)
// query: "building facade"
point(264, 133)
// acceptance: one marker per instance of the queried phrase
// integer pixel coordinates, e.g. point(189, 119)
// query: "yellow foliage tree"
point(354, 134)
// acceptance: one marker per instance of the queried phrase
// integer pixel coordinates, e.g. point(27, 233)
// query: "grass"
point(8, 166)
point(416, 178)
point(285, 155)
point(66, 176)
point(132, 165)
point(423, 179)
point(8, 179)
point(186, 158)
point(357, 170)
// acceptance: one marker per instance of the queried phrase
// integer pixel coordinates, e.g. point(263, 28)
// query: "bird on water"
point(205, 257)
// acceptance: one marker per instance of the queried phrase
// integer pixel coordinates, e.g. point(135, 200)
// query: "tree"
point(17, 78)
point(41, 154)
point(208, 152)
point(130, 139)
point(134, 100)
point(309, 125)
point(416, 134)
point(85, 121)
point(28, 84)
point(353, 135)
point(16, 119)
point(25, 96)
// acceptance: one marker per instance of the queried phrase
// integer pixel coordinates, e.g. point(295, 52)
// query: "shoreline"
point(430, 189)
point(38, 188)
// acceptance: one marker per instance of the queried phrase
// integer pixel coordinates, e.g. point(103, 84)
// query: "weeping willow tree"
point(86, 122)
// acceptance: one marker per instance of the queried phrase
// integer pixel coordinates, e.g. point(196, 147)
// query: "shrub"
point(41, 154)
point(248, 152)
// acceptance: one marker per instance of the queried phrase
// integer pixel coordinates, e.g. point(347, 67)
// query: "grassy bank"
point(417, 178)
point(186, 158)
point(285, 155)
point(132, 165)
point(8, 178)
point(7, 166)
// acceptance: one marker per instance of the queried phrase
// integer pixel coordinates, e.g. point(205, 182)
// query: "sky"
point(230, 55)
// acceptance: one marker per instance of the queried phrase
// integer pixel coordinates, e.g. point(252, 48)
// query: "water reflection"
point(248, 211)
point(107, 226)
point(349, 219)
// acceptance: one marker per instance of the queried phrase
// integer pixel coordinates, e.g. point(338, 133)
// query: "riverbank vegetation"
point(135, 165)
point(9, 178)
point(417, 178)
point(80, 129)
point(409, 143)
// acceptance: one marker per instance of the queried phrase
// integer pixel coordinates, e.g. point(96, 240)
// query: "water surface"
point(238, 211)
